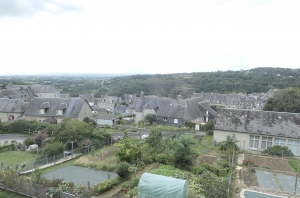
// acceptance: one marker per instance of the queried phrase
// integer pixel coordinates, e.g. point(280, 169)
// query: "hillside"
point(246, 81)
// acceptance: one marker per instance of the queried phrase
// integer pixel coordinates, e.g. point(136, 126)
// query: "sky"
point(147, 36)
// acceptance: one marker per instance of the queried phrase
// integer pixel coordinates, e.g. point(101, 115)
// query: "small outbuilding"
point(151, 185)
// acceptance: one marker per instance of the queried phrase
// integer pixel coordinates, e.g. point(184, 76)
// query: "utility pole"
point(296, 179)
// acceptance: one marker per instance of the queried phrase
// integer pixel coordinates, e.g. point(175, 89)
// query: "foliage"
point(154, 139)
point(229, 144)
point(248, 162)
point(209, 126)
point(5, 148)
point(169, 171)
point(294, 164)
point(29, 141)
point(53, 149)
point(151, 118)
point(284, 100)
point(8, 177)
point(213, 186)
point(183, 152)
point(122, 170)
point(26, 126)
point(278, 150)
point(129, 153)
point(90, 120)
point(190, 124)
point(71, 130)
point(162, 158)
point(106, 185)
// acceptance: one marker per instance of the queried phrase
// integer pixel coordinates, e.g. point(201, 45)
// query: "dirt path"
point(117, 188)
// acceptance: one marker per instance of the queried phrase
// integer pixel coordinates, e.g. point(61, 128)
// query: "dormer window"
point(59, 112)
point(41, 111)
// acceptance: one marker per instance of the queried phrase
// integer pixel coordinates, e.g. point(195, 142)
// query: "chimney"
point(142, 95)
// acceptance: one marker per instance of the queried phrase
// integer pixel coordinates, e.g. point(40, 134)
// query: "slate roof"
point(188, 109)
point(11, 105)
point(73, 107)
point(43, 89)
point(107, 117)
point(222, 99)
point(259, 122)
point(88, 97)
point(17, 93)
point(109, 99)
point(121, 109)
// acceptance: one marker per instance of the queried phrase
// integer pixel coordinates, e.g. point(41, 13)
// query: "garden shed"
point(151, 185)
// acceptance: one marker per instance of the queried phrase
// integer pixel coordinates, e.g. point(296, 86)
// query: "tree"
point(53, 149)
point(284, 100)
point(151, 118)
point(183, 152)
point(71, 130)
point(229, 144)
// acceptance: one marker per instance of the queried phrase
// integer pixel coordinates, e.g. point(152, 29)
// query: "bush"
point(162, 158)
point(122, 170)
point(278, 150)
point(106, 185)
point(53, 149)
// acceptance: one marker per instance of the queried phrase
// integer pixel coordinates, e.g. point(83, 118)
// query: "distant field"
point(11, 158)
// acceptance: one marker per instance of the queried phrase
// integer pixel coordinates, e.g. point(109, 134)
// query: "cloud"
point(29, 8)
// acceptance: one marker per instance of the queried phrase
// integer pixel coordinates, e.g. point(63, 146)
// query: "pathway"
point(67, 158)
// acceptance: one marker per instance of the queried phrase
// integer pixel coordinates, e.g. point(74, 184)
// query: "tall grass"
point(102, 159)
point(294, 164)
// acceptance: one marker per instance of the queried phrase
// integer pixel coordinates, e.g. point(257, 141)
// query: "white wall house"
point(258, 130)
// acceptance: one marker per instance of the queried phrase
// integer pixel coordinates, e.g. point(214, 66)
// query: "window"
point(175, 121)
point(165, 119)
point(59, 112)
point(279, 141)
point(266, 142)
point(253, 143)
point(41, 111)
point(293, 145)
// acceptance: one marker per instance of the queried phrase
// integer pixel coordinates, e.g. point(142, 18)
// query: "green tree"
point(53, 149)
point(284, 100)
point(71, 130)
point(151, 118)
point(183, 152)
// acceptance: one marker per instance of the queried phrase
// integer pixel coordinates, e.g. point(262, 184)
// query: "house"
point(23, 94)
point(45, 91)
point(173, 112)
point(257, 130)
point(106, 119)
point(10, 109)
point(107, 102)
point(42, 91)
point(88, 97)
point(54, 110)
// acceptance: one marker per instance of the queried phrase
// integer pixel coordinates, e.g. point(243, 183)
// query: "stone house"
point(54, 110)
point(10, 109)
point(257, 130)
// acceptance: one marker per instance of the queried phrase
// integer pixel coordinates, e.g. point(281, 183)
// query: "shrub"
point(278, 150)
point(53, 149)
point(106, 185)
point(122, 170)
point(162, 158)
point(248, 161)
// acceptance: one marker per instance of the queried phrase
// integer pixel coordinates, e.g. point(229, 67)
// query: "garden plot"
point(267, 180)
point(288, 183)
point(79, 175)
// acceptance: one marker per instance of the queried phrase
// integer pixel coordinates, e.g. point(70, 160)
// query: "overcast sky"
point(147, 36)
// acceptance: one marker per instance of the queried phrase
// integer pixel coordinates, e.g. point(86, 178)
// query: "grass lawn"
point(7, 194)
point(12, 158)
point(294, 164)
